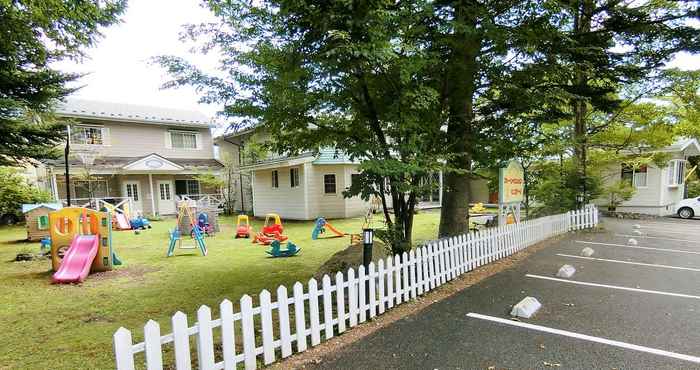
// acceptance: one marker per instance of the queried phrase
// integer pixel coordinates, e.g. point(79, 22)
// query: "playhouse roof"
point(30, 207)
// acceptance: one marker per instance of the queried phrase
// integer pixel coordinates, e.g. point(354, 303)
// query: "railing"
point(204, 200)
point(335, 306)
point(119, 204)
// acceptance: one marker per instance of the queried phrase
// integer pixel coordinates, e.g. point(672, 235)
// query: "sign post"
point(511, 191)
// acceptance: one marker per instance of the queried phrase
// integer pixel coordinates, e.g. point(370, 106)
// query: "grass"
point(70, 326)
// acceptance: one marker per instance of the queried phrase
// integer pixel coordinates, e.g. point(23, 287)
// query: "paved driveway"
point(627, 307)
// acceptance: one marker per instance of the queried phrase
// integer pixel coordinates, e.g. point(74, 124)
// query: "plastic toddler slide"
point(122, 222)
point(334, 230)
point(75, 265)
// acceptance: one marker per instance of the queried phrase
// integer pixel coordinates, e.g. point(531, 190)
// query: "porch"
point(149, 194)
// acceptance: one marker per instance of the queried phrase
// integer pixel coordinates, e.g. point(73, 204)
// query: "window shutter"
point(198, 141)
point(168, 140)
point(106, 139)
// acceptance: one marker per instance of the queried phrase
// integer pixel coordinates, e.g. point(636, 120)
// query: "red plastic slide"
point(75, 265)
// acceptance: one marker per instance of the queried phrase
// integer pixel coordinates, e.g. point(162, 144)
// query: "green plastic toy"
point(277, 251)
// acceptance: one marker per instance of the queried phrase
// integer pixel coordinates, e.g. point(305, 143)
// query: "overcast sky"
point(118, 68)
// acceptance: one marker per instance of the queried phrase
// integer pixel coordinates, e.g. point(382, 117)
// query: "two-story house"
point(121, 151)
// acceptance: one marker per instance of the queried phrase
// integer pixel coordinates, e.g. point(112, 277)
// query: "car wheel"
point(686, 213)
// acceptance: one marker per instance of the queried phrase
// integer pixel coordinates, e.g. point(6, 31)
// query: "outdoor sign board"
point(511, 187)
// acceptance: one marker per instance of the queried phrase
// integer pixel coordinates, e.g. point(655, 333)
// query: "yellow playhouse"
point(81, 242)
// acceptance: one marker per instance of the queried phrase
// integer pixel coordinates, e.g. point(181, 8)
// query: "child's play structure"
point(81, 242)
point(273, 224)
point(277, 251)
point(320, 229)
point(183, 210)
point(140, 223)
point(243, 229)
point(36, 217)
point(271, 231)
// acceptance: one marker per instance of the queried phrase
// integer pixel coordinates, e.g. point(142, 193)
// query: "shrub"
point(15, 191)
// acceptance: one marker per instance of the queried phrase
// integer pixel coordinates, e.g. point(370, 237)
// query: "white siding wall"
point(136, 140)
point(355, 206)
point(288, 202)
point(326, 205)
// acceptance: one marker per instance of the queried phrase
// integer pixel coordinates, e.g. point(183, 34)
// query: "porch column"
point(153, 195)
point(54, 186)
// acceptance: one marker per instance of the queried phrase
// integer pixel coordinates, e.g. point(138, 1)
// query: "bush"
point(694, 189)
point(15, 191)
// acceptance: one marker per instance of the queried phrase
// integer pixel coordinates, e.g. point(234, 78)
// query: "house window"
point(183, 139)
point(294, 177)
point(86, 135)
point(636, 177)
point(186, 187)
point(275, 179)
point(132, 191)
point(329, 184)
point(676, 172)
point(94, 188)
point(354, 179)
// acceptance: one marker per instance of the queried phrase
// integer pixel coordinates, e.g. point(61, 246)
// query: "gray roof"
point(119, 162)
point(99, 110)
point(30, 207)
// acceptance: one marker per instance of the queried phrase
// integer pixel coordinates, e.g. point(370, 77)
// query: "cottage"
point(36, 217)
point(149, 156)
point(309, 185)
point(657, 189)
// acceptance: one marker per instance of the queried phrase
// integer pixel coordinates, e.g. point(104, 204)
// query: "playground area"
point(70, 326)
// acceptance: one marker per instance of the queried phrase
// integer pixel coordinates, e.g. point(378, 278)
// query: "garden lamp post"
point(368, 241)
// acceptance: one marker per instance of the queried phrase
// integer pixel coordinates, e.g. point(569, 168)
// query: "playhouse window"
point(43, 222)
point(294, 177)
point(329, 184)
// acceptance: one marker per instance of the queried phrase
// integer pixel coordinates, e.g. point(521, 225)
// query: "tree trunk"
point(461, 84)
point(582, 25)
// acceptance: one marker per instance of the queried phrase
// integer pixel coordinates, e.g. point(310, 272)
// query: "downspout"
point(240, 174)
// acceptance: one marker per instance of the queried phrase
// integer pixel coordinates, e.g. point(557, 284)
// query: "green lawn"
point(70, 326)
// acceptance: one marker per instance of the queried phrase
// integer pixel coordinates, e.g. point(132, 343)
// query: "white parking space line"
point(671, 231)
point(630, 262)
point(681, 295)
point(589, 338)
point(657, 237)
point(638, 247)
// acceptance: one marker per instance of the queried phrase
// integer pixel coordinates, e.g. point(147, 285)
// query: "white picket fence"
point(305, 318)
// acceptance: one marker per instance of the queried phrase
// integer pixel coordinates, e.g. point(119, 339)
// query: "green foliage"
point(34, 35)
point(693, 188)
point(617, 193)
point(15, 191)
point(556, 190)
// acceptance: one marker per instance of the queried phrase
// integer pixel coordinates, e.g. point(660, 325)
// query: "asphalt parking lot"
point(626, 307)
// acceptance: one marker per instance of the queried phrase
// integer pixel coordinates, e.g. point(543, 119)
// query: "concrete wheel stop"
point(566, 271)
point(526, 308)
point(587, 252)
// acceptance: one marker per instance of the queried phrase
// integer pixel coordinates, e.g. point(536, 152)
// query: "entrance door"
point(132, 189)
point(166, 203)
